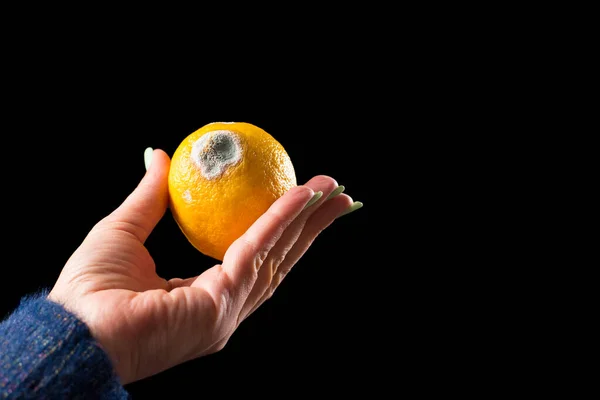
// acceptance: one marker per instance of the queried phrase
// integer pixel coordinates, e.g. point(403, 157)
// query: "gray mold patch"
point(215, 151)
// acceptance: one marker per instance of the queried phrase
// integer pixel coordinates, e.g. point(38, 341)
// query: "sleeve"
point(46, 352)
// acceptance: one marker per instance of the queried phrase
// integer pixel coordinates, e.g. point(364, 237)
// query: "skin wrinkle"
point(138, 231)
point(186, 293)
point(201, 323)
point(93, 271)
point(159, 308)
point(226, 295)
point(133, 362)
point(182, 295)
point(291, 244)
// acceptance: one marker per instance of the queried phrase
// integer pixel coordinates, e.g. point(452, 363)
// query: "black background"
point(407, 116)
point(76, 152)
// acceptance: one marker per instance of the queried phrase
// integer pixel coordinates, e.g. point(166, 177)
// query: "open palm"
point(148, 324)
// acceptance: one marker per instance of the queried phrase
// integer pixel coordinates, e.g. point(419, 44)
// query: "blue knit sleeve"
point(46, 352)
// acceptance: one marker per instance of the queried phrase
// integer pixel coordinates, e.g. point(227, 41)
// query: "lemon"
point(222, 178)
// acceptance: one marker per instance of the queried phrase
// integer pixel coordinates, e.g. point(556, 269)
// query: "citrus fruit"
point(222, 178)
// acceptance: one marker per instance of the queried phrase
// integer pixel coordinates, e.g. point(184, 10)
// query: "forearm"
point(47, 352)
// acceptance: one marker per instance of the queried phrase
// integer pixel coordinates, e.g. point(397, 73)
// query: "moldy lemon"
point(222, 178)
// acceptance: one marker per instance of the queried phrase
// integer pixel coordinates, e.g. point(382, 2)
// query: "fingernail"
point(355, 206)
point(337, 191)
point(314, 199)
point(148, 157)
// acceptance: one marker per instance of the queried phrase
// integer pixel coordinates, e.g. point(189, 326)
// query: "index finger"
point(245, 256)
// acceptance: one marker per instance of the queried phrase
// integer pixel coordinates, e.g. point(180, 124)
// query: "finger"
point(146, 205)
point(318, 221)
point(322, 183)
point(235, 277)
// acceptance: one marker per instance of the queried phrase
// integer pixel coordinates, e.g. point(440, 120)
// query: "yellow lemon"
point(222, 178)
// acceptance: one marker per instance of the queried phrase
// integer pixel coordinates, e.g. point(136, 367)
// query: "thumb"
point(146, 205)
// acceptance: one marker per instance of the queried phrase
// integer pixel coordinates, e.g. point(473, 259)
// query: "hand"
point(147, 324)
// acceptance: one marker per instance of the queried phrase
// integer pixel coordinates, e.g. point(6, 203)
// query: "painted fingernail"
point(355, 206)
point(314, 199)
point(148, 157)
point(337, 191)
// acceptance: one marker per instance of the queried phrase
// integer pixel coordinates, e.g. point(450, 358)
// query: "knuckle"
point(259, 259)
point(257, 254)
point(277, 260)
